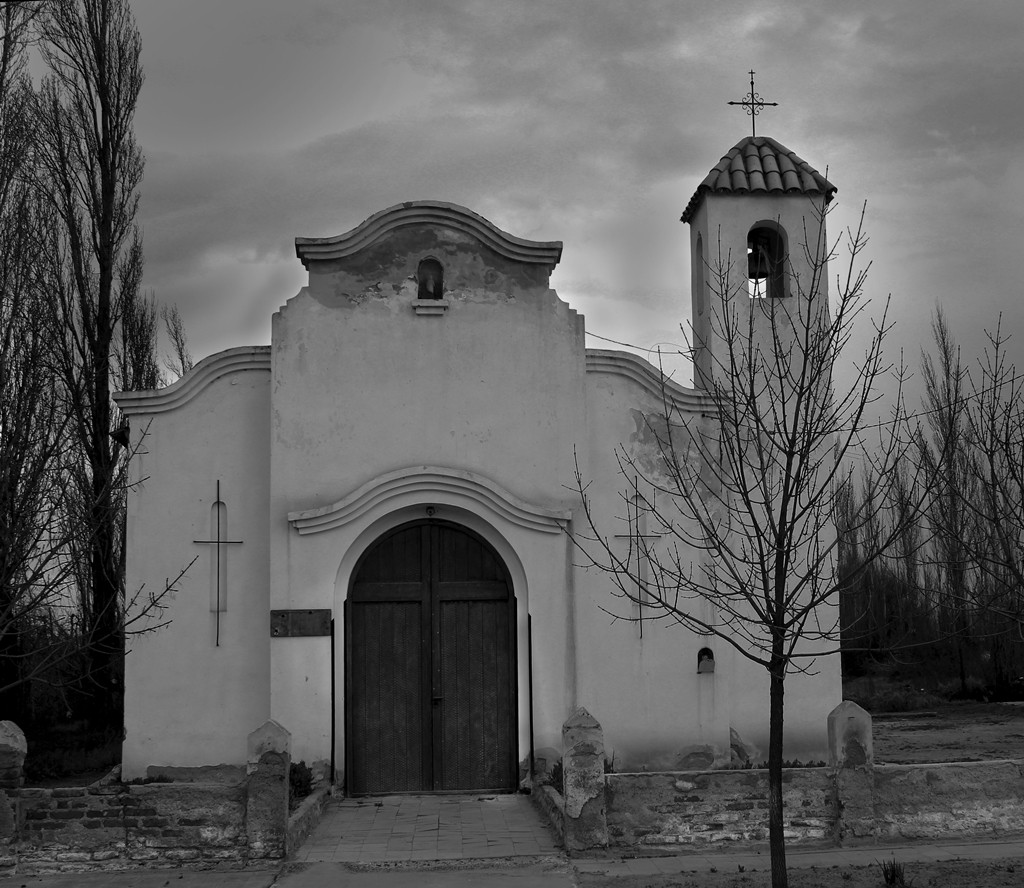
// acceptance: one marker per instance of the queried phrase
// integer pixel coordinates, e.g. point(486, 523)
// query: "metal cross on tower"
point(217, 542)
point(754, 105)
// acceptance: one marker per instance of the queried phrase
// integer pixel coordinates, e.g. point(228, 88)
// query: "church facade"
point(382, 507)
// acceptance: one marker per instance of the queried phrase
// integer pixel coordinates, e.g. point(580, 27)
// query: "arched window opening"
point(766, 262)
point(430, 275)
point(705, 661)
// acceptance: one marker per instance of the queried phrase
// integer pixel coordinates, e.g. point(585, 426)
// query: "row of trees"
point(948, 594)
point(75, 326)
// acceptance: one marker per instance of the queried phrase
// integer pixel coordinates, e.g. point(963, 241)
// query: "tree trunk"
point(105, 650)
point(776, 838)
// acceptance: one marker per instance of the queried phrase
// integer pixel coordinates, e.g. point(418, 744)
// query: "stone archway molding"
point(446, 486)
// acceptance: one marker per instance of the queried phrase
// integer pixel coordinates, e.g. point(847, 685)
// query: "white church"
point(381, 506)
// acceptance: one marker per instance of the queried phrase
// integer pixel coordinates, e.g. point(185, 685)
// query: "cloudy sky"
point(585, 121)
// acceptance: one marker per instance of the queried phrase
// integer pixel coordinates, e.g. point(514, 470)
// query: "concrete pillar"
point(266, 809)
point(851, 756)
point(12, 755)
point(583, 782)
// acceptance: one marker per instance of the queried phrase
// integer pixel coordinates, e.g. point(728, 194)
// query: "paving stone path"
point(396, 829)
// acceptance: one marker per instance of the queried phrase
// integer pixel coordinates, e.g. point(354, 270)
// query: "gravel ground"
point(1006, 873)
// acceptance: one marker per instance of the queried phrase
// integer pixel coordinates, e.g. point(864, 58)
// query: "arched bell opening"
point(766, 261)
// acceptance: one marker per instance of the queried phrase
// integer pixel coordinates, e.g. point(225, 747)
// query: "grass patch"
point(893, 873)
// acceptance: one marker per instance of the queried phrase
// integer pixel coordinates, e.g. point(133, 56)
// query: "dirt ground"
point(955, 732)
point(954, 874)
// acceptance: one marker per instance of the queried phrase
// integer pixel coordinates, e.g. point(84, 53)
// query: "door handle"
point(437, 699)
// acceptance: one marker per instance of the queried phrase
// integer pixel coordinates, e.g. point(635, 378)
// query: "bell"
point(758, 264)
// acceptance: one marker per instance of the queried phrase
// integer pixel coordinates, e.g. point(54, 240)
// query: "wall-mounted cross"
point(217, 543)
point(754, 105)
point(638, 537)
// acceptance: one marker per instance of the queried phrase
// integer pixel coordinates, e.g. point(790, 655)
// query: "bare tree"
point(179, 362)
point(991, 432)
point(93, 168)
point(32, 564)
point(948, 457)
point(745, 499)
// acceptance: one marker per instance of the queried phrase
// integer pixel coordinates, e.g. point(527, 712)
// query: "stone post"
point(12, 759)
point(266, 809)
point(12, 755)
point(851, 758)
point(583, 782)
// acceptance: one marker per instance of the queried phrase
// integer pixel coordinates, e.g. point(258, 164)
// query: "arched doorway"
point(430, 665)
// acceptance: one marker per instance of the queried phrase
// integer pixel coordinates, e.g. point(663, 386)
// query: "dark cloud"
point(589, 121)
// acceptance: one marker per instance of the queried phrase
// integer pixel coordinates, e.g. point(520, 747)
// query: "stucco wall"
point(364, 387)
point(189, 701)
point(363, 413)
point(656, 711)
point(639, 680)
point(722, 223)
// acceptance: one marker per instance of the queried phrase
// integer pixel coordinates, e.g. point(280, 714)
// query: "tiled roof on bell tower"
point(759, 164)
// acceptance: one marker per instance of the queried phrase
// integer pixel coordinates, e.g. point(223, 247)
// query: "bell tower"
point(757, 232)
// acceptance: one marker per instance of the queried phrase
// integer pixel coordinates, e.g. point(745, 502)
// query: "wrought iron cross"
point(637, 537)
point(217, 543)
point(754, 105)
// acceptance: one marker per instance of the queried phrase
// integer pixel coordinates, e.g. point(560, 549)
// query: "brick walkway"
point(393, 829)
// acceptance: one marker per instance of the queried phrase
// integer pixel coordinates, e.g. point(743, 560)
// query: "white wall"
point(365, 387)
point(371, 413)
point(189, 702)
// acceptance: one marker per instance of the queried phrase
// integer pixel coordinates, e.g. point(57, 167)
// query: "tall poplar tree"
point(93, 169)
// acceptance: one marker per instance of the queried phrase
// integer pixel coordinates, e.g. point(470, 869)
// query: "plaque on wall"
point(299, 623)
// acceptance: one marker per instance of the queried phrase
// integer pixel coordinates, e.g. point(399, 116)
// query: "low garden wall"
point(849, 802)
point(121, 826)
point(305, 818)
point(942, 800)
point(115, 826)
point(715, 806)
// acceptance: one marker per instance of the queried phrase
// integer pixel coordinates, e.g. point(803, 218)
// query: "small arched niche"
point(766, 261)
point(705, 661)
point(430, 279)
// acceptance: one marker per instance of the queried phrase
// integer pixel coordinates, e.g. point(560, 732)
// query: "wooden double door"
point(430, 665)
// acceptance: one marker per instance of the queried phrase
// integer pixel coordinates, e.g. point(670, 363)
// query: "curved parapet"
point(419, 212)
point(433, 483)
point(233, 360)
point(620, 363)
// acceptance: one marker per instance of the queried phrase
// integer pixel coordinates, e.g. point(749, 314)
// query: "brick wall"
point(707, 807)
point(885, 802)
point(961, 799)
point(115, 827)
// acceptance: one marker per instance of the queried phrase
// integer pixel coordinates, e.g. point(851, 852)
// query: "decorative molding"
point(645, 374)
point(428, 212)
point(207, 371)
point(430, 484)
